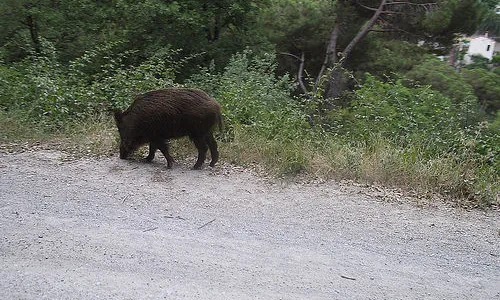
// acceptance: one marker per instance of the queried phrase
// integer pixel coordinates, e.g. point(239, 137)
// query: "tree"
point(441, 77)
point(298, 29)
point(491, 21)
point(20, 27)
point(387, 58)
point(350, 22)
point(486, 87)
point(428, 21)
point(71, 26)
point(216, 29)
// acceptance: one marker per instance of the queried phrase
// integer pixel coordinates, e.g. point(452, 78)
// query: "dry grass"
point(96, 137)
point(378, 163)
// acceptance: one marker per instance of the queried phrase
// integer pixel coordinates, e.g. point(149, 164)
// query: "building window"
point(488, 48)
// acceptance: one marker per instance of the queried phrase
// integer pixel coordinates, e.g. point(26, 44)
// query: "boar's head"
point(127, 144)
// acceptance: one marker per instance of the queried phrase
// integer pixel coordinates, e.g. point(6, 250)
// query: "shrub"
point(442, 131)
point(486, 87)
point(52, 95)
point(402, 114)
point(254, 97)
point(443, 78)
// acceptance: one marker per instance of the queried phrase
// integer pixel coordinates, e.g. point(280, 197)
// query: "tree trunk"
point(337, 82)
point(33, 29)
point(331, 51)
point(337, 78)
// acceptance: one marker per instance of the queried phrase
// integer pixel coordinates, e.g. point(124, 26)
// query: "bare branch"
point(426, 6)
point(384, 30)
point(365, 29)
point(390, 27)
point(290, 54)
point(376, 9)
point(300, 72)
point(300, 79)
point(412, 4)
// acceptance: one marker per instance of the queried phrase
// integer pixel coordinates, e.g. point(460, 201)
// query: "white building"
point(483, 46)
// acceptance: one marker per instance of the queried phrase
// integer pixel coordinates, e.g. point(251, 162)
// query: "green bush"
point(52, 95)
point(402, 114)
point(443, 78)
point(387, 57)
point(478, 62)
point(424, 120)
point(486, 87)
point(254, 97)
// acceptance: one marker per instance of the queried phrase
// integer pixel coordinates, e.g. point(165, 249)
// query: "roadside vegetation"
point(402, 118)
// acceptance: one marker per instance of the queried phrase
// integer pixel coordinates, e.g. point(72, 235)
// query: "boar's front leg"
point(152, 150)
point(163, 146)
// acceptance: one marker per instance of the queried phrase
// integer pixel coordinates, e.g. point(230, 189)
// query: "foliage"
point(323, 34)
point(405, 115)
point(491, 22)
point(478, 61)
point(423, 119)
point(295, 28)
point(297, 25)
point(52, 95)
point(453, 17)
point(65, 64)
point(442, 78)
point(283, 18)
point(386, 57)
point(252, 96)
point(72, 26)
point(215, 28)
point(496, 59)
point(486, 87)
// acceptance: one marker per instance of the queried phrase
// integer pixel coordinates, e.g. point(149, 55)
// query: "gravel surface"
point(105, 228)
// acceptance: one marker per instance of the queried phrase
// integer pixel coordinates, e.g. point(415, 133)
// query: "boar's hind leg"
point(202, 147)
point(212, 144)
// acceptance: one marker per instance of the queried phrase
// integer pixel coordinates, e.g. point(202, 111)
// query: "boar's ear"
point(118, 116)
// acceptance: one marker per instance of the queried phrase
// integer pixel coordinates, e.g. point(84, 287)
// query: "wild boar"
point(159, 115)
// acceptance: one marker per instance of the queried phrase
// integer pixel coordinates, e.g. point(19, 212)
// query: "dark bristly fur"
point(156, 116)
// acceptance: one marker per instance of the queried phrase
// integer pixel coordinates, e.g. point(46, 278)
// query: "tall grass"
point(381, 163)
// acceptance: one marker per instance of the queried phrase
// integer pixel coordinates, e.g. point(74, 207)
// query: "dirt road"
point(112, 229)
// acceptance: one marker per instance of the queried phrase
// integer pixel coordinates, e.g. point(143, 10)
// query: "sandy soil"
point(106, 228)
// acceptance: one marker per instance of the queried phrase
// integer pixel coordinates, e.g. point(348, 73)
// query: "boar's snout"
point(123, 151)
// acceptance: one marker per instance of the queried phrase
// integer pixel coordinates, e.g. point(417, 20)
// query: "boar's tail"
point(220, 123)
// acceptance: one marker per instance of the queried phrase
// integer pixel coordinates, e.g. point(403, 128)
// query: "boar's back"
point(171, 113)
